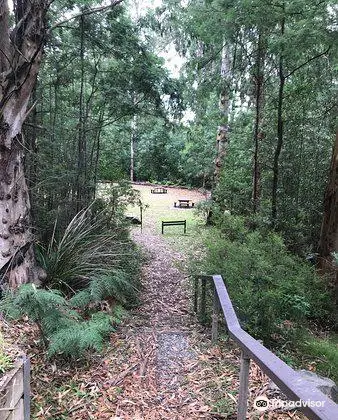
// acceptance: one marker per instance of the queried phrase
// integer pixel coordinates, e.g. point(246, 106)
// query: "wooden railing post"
point(243, 387)
point(26, 388)
point(203, 300)
point(196, 279)
point(215, 314)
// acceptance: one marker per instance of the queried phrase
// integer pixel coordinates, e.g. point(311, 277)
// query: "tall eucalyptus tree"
point(22, 46)
point(20, 58)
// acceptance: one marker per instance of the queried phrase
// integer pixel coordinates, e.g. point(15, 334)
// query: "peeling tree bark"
point(132, 147)
point(20, 57)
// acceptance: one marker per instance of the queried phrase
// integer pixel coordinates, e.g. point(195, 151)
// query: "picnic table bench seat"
point(175, 223)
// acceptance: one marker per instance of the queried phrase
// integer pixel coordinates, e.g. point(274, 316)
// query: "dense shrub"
point(273, 291)
point(112, 201)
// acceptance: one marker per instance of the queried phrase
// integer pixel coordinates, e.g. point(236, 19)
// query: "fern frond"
point(7, 308)
point(113, 284)
point(81, 336)
point(118, 314)
point(81, 299)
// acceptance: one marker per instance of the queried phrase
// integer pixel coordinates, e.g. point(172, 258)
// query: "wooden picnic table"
point(184, 203)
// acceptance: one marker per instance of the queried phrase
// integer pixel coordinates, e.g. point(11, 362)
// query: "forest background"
point(259, 80)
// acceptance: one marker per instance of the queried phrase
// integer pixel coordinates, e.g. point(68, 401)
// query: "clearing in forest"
point(161, 207)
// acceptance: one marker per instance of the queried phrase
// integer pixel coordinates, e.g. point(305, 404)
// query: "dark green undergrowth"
point(277, 296)
point(312, 351)
point(92, 277)
point(66, 329)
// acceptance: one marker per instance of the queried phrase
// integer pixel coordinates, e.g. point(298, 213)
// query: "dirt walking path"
point(164, 333)
point(179, 374)
point(168, 327)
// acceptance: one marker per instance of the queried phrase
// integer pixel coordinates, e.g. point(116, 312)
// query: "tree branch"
point(30, 109)
point(86, 13)
point(4, 36)
point(6, 56)
point(111, 122)
point(307, 62)
point(213, 56)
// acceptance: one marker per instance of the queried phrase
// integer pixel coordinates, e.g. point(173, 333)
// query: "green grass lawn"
point(160, 207)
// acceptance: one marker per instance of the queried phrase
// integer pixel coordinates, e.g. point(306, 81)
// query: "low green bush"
point(273, 291)
point(324, 352)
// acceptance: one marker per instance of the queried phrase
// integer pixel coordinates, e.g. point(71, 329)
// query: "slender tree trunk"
point(90, 173)
point(97, 154)
point(299, 176)
point(133, 124)
point(132, 147)
point(222, 138)
point(30, 137)
point(20, 57)
point(280, 134)
point(258, 129)
point(53, 196)
point(328, 242)
point(81, 159)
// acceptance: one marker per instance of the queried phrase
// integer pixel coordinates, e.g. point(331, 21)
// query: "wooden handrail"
point(288, 380)
point(15, 391)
